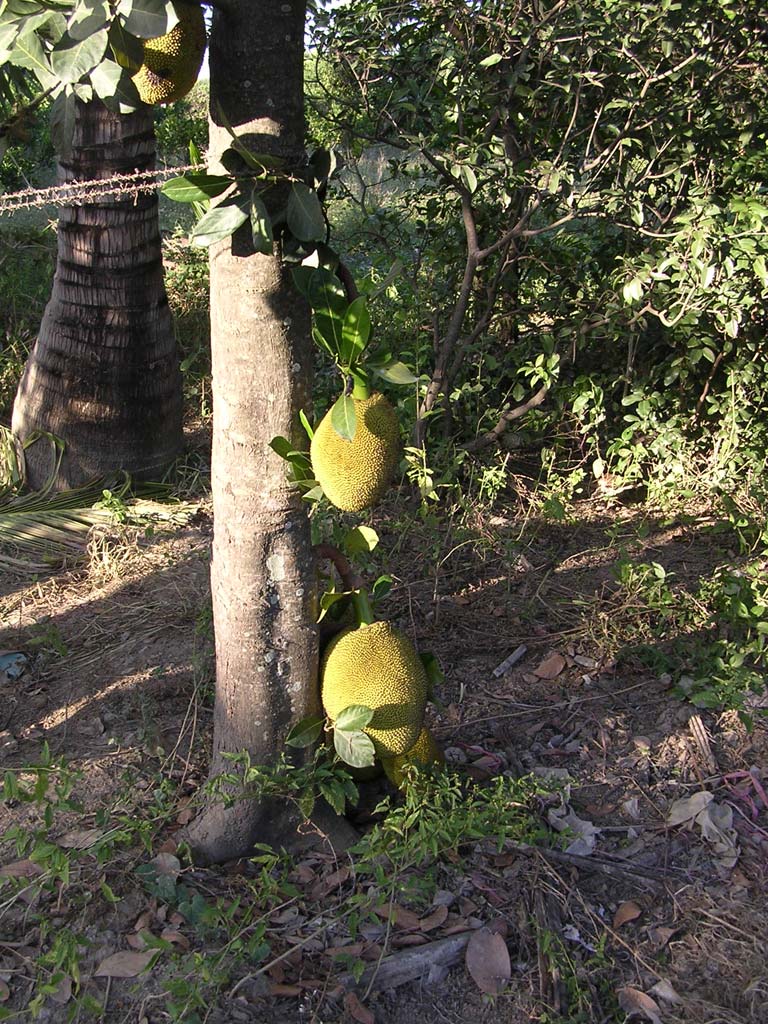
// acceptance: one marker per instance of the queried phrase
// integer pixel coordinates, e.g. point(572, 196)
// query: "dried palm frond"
point(42, 530)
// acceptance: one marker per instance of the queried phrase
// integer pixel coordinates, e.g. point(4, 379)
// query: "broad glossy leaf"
point(304, 214)
point(344, 417)
point(362, 539)
point(353, 718)
point(195, 187)
point(261, 226)
point(218, 224)
point(28, 53)
point(355, 331)
point(306, 424)
point(89, 16)
point(114, 85)
point(127, 49)
point(72, 59)
point(395, 372)
point(148, 18)
point(354, 748)
point(305, 732)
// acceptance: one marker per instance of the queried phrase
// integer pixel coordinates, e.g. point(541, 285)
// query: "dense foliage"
point(577, 194)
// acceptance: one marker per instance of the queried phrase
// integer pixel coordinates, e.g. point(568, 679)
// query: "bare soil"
point(119, 684)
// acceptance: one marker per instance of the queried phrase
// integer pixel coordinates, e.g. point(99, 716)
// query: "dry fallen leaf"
point(634, 1002)
point(487, 960)
point(551, 667)
point(660, 935)
point(355, 1009)
point(285, 990)
point(63, 992)
point(125, 964)
point(628, 911)
point(20, 869)
point(80, 839)
point(664, 990)
point(175, 936)
point(5, 992)
point(403, 919)
point(438, 916)
point(166, 864)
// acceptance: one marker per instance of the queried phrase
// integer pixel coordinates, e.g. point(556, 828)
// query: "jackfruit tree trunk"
point(104, 373)
point(263, 571)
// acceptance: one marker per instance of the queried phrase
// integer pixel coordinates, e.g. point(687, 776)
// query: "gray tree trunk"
point(263, 570)
point(104, 374)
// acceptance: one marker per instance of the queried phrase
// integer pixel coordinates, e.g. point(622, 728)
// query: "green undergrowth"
point(72, 868)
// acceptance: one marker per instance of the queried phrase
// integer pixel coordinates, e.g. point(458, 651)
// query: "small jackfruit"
point(425, 751)
point(355, 474)
point(172, 62)
point(378, 667)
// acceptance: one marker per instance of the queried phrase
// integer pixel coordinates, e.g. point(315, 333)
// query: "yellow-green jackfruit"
point(172, 62)
point(355, 474)
point(378, 667)
point(425, 751)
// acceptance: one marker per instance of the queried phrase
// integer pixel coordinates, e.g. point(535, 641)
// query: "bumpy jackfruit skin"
point(378, 667)
point(172, 62)
point(425, 751)
point(355, 474)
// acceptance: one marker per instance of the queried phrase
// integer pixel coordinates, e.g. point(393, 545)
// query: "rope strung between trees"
point(75, 192)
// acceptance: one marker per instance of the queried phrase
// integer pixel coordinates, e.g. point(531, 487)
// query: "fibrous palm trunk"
point(104, 373)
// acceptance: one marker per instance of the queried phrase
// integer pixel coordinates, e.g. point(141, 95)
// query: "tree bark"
point(104, 373)
point(263, 576)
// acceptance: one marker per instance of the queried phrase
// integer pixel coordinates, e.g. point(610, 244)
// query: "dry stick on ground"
point(409, 964)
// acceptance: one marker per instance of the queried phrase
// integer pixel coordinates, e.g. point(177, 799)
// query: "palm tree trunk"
point(104, 373)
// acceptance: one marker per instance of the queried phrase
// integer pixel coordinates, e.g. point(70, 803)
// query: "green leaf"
point(489, 61)
point(114, 85)
point(261, 225)
point(395, 372)
point(435, 674)
point(344, 417)
point(381, 588)
point(360, 540)
point(127, 49)
point(323, 163)
point(89, 18)
point(28, 53)
point(148, 18)
point(72, 59)
point(315, 494)
point(282, 446)
point(305, 214)
point(354, 748)
point(306, 424)
point(353, 718)
point(355, 331)
point(218, 224)
point(196, 187)
point(63, 113)
point(469, 177)
point(306, 732)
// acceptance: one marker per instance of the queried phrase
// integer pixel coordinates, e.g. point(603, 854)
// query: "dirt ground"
point(650, 917)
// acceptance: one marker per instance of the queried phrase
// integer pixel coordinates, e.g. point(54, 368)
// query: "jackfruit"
point(378, 667)
point(172, 62)
point(425, 751)
point(355, 474)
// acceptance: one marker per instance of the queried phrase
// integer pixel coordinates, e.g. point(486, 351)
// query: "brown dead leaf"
point(169, 846)
point(326, 885)
point(438, 916)
point(167, 864)
point(372, 952)
point(636, 1003)
point(20, 869)
point(125, 964)
point(627, 911)
point(5, 992)
point(355, 1009)
point(176, 937)
point(660, 935)
point(664, 990)
point(136, 940)
point(80, 839)
point(487, 960)
point(144, 920)
point(551, 667)
point(285, 990)
point(277, 972)
point(409, 939)
point(304, 874)
point(353, 949)
point(63, 991)
point(403, 919)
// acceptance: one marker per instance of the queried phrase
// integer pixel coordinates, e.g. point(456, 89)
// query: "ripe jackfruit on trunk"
point(172, 62)
point(376, 666)
point(355, 474)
